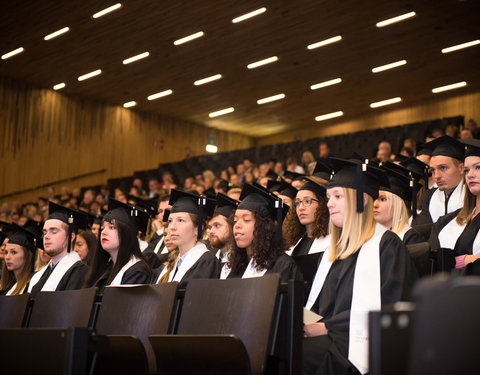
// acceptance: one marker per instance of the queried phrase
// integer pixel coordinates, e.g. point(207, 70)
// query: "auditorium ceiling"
point(282, 32)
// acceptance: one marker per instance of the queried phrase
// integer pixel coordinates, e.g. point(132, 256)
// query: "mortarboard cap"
point(282, 188)
point(446, 146)
point(135, 217)
point(226, 206)
point(271, 174)
point(223, 185)
point(28, 240)
point(313, 186)
point(77, 219)
point(323, 170)
point(294, 176)
point(473, 147)
point(150, 206)
point(418, 167)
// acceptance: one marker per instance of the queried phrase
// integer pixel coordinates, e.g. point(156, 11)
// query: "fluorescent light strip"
point(249, 15)
point(389, 66)
point(135, 58)
point(208, 79)
point(262, 62)
point(329, 116)
point(395, 19)
point(211, 148)
point(189, 38)
point(324, 42)
point(59, 86)
point(271, 99)
point(12, 53)
point(160, 94)
point(90, 75)
point(385, 102)
point(129, 104)
point(56, 33)
point(449, 87)
point(461, 46)
point(325, 84)
point(221, 112)
point(107, 10)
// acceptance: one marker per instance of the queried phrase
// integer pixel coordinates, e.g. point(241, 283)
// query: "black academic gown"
point(206, 267)
point(10, 286)
point(328, 354)
point(153, 259)
point(303, 247)
point(72, 279)
point(139, 273)
point(412, 237)
point(424, 216)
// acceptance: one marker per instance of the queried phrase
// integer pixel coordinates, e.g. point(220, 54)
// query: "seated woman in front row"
point(365, 267)
point(258, 248)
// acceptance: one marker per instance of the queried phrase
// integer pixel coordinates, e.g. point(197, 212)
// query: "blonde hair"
point(357, 228)
point(469, 203)
point(400, 212)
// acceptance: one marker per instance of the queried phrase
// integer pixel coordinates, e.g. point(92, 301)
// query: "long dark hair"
point(265, 246)
point(128, 246)
point(91, 242)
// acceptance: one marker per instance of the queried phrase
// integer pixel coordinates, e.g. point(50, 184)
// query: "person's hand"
point(315, 329)
point(471, 258)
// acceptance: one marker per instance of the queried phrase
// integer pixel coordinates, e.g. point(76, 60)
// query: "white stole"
point(251, 271)
point(366, 297)
point(448, 236)
point(290, 250)
point(476, 244)
point(9, 293)
point(320, 245)
point(225, 256)
point(159, 245)
point(319, 280)
point(225, 271)
point(437, 202)
point(58, 272)
point(118, 277)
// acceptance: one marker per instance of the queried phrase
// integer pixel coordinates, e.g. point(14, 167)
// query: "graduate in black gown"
point(338, 344)
point(258, 247)
point(185, 227)
point(65, 270)
point(118, 259)
point(455, 236)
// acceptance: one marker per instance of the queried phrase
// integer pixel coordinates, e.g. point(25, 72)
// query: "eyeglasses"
point(306, 202)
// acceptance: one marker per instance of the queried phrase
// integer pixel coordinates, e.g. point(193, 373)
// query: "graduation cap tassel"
point(360, 174)
point(279, 207)
point(32, 265)
point(414, 198)
point(201, 213)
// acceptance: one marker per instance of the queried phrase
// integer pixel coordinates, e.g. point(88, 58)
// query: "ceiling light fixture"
point(449, 87)
point(325, 42)
point(262, 62)
point(59, 86)
point(329, 116)
point(135, 58)
point(396, 19)
point(208, 79)
point(129, 104)
point(107, 10)
point(271, 99)
point(221, 112)
point(56, 33)
point(249, 15)
point(461, 46)
point(90, 75)
point(389, 66)
point(189, 38)
point(160, 94)
point(385, 102)
point(211, 148)
point(12, 53)
point(325, 84)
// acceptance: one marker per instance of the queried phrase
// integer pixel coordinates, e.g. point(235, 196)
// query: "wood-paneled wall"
point(46, 136)
point(448, 106)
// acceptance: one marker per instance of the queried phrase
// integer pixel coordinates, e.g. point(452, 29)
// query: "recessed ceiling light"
point(221, 112)
point(189, 38)
point(325, 84)
point(129, 104)
point(385, 102)
point(389, 66)
point(208, 79)
point(56, 33)
point(135, 58)
point(12, 53)
point(249, 15)
point(262, 62)
point(90, 75)
point(396, 19)
point(271, 99)
point(329, 116)
point(211, 148)
point(160, 94)
point(449, 87)
point(107, 10)
point(461, 46)
point(59, 86)
point(325, 42)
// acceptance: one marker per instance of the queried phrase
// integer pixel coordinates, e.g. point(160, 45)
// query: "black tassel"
point(201, 213)
point(361, 178)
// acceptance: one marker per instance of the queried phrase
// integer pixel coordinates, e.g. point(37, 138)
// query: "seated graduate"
point(85, 245)
point(282, 189)
point(367, 266)
point(19, 261)
point(185, 224)
point(421, 172)
point(446, 165)
point(219, 227)
point(393, 206)
point(65, 270)
point(455, 236)
point(118, 259)
point(305, 229)
point(257, 229)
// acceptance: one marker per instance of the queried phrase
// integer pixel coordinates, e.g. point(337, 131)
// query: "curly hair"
point(293, 230)
point(266, 247)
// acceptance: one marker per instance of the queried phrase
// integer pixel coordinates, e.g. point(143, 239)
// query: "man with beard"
point(219, 229)
point(65, 271)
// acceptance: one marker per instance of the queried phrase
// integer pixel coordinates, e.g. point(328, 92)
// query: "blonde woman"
point(367, 266)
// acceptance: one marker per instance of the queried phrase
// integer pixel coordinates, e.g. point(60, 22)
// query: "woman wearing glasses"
point(306, 227)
